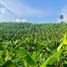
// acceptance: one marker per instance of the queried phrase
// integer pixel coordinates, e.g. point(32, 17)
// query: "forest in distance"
point(33, 45)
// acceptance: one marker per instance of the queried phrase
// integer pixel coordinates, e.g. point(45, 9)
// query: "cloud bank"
point(20, 8)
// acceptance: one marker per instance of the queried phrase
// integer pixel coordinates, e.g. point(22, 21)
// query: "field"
point(33, 45)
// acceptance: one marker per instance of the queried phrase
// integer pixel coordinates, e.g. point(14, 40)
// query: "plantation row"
point(33, 45)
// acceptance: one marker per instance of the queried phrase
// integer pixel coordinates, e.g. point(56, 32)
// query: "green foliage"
point(33, 45)
point(8, 64)
point(58, 53)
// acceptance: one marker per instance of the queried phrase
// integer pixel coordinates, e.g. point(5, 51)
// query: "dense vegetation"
point(33, 45)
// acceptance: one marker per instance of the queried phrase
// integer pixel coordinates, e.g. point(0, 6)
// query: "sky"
point(35, 11)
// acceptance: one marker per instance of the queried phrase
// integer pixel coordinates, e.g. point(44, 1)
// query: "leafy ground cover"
point(33, 45)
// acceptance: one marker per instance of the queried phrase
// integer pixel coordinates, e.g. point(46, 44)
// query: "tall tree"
point(61, 18)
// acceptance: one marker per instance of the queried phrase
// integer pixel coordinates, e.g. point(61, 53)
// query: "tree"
point(61, 18)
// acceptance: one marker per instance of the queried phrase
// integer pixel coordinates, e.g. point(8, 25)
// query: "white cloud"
point(22, 9)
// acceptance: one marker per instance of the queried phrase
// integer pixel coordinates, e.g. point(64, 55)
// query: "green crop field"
point(33, 45)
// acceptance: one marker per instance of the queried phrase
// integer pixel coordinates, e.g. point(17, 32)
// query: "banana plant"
point(16, 53)
point(57, 54)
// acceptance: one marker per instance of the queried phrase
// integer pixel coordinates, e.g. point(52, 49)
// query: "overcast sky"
point(33, 10)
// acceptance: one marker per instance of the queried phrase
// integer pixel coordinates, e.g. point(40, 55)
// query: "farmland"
point(33, 45)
